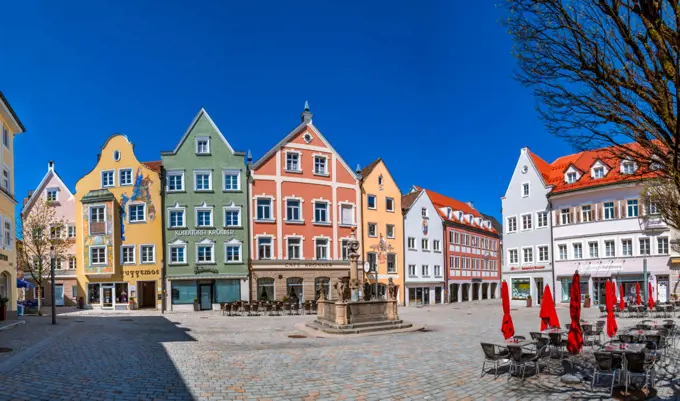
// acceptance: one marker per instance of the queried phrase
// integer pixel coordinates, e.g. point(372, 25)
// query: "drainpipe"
point(247, 227)
point(163, 222)
point(552, 251)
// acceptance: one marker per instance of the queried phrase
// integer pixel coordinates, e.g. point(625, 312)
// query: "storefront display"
point(521, 288)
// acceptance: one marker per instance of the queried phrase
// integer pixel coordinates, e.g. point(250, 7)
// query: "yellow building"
point(9, 126)
point(383, 231)
point(119, 242)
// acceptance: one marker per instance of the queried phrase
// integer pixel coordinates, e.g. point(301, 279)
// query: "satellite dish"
point(367, 267)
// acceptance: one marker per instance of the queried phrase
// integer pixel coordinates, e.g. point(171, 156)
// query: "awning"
point(24, 284)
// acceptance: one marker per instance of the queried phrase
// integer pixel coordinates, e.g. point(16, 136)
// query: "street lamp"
point(52, 295)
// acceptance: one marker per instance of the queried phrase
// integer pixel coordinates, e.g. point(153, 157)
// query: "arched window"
point(265, 289)
point(116, 155)
point(294, 289)
point(326, 283)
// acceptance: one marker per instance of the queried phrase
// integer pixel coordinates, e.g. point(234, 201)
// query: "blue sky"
point(429, 87)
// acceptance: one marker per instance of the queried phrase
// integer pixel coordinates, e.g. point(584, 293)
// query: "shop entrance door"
point(108, 295)
point(662, 288)
point(453, 292)
point(426, 296)
point(539, 290)
point(206, 296)
point(147, 294)
point(59, 295)
point(438, 295)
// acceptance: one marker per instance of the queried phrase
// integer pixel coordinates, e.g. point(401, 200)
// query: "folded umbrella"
point(622, 303)
point(575, 337)
point(650, 301)
point(548, 314)
point(638, 300)
point(507, 327)
point(611, 319)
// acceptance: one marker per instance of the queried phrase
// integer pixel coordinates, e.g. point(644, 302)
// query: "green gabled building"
point(206, 224)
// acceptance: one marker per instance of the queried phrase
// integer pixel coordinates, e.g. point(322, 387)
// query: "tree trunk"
point(39, 292)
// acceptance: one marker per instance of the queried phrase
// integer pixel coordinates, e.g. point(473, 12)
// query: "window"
point(232, 217)
point(512, 256)
point(125, 176)
point(389, 204)
point(183, 292)
point(204, 253)
point(512, 224)
point(321, 246)
point(72, 263)
point(662, 245)
point(293, 162)
point(437, 271)
point(98, 255)
point(578, 250)
point(320, 165)
point(204, 218)
point(391, 263)
point(608, 210)
point(412, 270)
point(264, 248)
point(265, 289)
point(526, 222)
point(644, 246)
point(565, 216)
point(176, 218)
point(232, 253)
point(344, 249)
point(609, 249)
point(436, 246)
point(527, 255)
point(542, 219)
point(525, 190)
point(227, 290)
point(148, 253)
point(108, 179)
point(202, 145)
point(632, 209)
point(425, 244)
point(593, 250)
point(178, 254)
point(175, 181)
point(627, 167)
point(128, 254)
point(411, 243)
point(320, 212)
point(380, 180)
point(293, 210)
point(97, 220)
point(5, 136)
point(137, 213)
point(231, 180)
point(346, 215)
point(543, 253)
point(389, 231)
point(653, 208)
point(424, 213)
point(372, 230)
point(71, 231)
point(52, 195)
point(294, 248)
point(264, 209)
point(571, 178)
point(598, 172)
point(371, 201)
point(563, 251)
point(627, 247)
point(55, 232)
point(586, 214)
point(425, 270)
point(202, 180)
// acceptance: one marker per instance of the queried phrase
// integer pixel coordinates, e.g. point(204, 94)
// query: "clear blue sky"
point(429, 87)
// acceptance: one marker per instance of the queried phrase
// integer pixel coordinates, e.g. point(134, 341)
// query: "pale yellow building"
point(9, 126)
point(383, 229)
point(119, 239)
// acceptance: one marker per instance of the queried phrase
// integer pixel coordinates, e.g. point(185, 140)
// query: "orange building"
point(304, 203)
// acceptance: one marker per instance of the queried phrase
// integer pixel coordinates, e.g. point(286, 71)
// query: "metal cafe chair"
point(605, 366)
point(520, 359)
point(636, 367)
point(496, 356)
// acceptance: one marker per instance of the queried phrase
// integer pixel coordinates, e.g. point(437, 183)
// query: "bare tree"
point(44, 234)
point(606, 74)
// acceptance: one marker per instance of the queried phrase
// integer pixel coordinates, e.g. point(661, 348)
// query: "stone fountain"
point(351, 315)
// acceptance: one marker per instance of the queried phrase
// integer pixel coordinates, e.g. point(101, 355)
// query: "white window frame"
point(538, 219)
point(106, 256)
point(510, 254)
point(566, 251)
point(328, 212)
point(271, 208)
point(199, 139)
point(632, 248)
point(653, 208)
point(209, 244)
point(203, 209)
point(141, 254)
point(545, 247)
point(120, 177)
point(589, 214)
point(177, 245)
point(89, 218)
point(612, 215)
point(658, 245)
point(408, 243)
point(328, 247)
point(425, 213)
point(625, 164)
point(526, 189)
point(300, 215)
point(134, 254)
point(101, 177)
point(412, 271)
point(56, 194)
point(386, 204)
point(387, 231)
point(340, 206)
point(375, 202)
point(509, 225)
point(210, 180)
point(436, 245)
point(637, 207)
point(425, 244)
point(231, 173)
point(237, 244)
point(175, 173)
point(571, 177)
point(524, 259)
point(531, 223)
point(226, 209)
point(613, 247)
point(368, 229)
point(183, 210)
point(573, 250)
point(129, 212)
point(320, 173)
point(649, 246)
point(597, 248)
point(270, 246)
point(299, 161)
point(301, 247)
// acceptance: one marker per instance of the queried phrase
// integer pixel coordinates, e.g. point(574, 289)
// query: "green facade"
point(203, 161)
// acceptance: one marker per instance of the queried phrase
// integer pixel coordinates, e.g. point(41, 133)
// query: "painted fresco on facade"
point(94, 240)
point(382, 248)
point(141, 191)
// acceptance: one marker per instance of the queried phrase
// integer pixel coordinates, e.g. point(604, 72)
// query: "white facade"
point(425, 269)
point(527, 250)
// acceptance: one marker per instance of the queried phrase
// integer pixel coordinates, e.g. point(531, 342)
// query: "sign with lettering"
point(204, 233)
point(308, 265)
point(203, 269)
point(515, 268)
point(141, 272)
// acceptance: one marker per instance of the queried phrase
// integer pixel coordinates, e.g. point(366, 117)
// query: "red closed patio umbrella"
point(638, 300)
point(507, 327)
point(611, 319)
point(575, 337)
point(548, 313)
point(622, 302)
point(650, 302)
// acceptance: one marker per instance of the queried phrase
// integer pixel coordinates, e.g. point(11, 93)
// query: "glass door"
point(206, 296)
point(59, 295)
point(108, 294)
point(539, 290)
point(426, 296)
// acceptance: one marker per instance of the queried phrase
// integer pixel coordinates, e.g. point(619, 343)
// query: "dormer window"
point(571, 178)
point(627, 167)
point(52, 194)
point(598, 172)
point(525, 190)
point(380, 180)
point(202, 145)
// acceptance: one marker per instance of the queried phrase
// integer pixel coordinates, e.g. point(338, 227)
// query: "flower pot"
point(586, 303)
point(528, 302)
point(3, 312)
point(197, 307)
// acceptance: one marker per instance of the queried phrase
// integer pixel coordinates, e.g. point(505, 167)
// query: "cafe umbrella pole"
point(644, 277)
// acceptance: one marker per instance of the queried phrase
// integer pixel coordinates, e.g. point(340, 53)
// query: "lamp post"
point(52, 295)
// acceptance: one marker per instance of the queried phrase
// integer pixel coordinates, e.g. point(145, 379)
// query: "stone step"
point(359, 325)
point(364, 329)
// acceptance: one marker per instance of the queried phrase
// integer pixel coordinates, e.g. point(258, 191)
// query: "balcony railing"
point(97, 227)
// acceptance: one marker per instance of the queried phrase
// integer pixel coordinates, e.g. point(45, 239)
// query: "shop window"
point(227, 290)
point(326, 283)
point(93, 294)
point(521, 288)
point(265, 289)
point(294, 289)
point(121, 293)
point(183, 292)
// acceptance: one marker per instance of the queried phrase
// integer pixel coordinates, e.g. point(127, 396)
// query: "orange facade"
point(304, 202)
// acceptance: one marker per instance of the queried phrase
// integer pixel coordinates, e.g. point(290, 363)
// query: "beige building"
point(9, 126)
point(383, 229)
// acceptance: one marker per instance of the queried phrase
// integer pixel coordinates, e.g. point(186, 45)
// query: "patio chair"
point(632, 311)
point(294, 308)
point(268, 309)
point(636, 367)
point(557, 343)
point(658, 311)
point(626, 338)
point(520, 338)
point(307, 308)
point(605, 365)
point(278, 309)
point(653, 344)
point(495, 355)
point(590, 331)
point(603, 311)
point(246, 310)
point(520, 359)
point(535, 335)
point(255, 309)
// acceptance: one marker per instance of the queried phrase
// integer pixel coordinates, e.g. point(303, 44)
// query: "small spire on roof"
point(306, 105)
point(50, 165)
point(306, 114)
point(250, 156)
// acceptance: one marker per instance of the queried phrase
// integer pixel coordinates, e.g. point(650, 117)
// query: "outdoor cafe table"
point(624, 348)
point(510, 341)
point(554, 331)
point(638, 332)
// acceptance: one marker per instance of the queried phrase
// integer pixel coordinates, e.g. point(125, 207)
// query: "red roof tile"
point(441, 201)
point(542, 166)
point(154, 165)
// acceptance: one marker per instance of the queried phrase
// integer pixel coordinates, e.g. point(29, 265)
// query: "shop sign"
point(308, 265)
point(476, 280)
point(675, 262)
point(204, 233)
point(145, 272)
point(516, 268)
point(203, 269)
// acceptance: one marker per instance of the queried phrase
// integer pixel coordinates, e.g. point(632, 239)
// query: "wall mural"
point(425, 227)
point(141, 191)
point(381, 248)
point(95, 240)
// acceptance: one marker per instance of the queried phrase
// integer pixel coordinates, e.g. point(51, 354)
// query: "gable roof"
point(12, 114)
point(407, 200)
point(290, 135)
point(542, 166)
point(368, 169)
point(38, 190)
point(200, 113)
point(154, 165)
point(441, 201)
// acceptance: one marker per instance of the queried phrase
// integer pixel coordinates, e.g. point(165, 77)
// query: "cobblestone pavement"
point(141, 355)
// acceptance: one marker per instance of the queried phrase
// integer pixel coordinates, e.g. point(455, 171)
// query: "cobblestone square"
point(141, 355)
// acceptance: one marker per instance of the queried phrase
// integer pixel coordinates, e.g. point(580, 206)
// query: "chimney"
point(472, 205)
point(50, 165)
point(306, 114)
